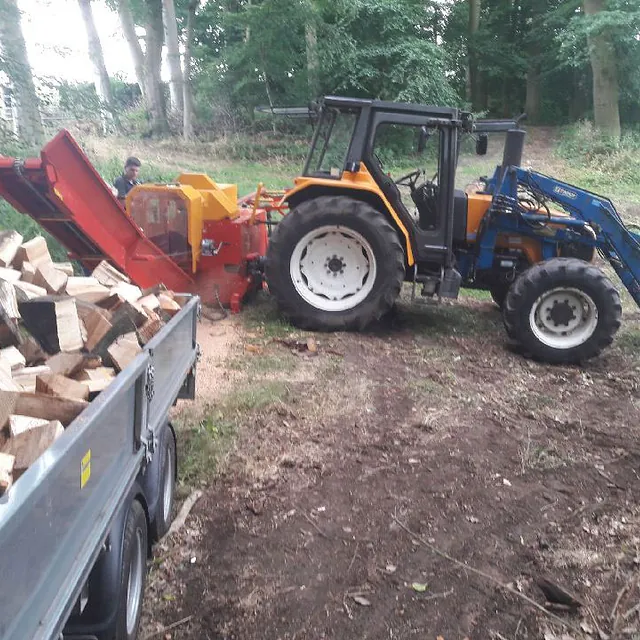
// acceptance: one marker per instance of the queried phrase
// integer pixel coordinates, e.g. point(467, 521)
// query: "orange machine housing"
point(206, 231)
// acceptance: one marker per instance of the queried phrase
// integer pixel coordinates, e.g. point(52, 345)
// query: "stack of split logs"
point(63, 339)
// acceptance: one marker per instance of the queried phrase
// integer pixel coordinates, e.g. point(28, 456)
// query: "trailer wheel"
point(133, 573)
point(167, 485)
point(563, 310)
point(334, 263)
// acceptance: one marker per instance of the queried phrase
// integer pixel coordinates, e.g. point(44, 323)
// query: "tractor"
point(338, 259)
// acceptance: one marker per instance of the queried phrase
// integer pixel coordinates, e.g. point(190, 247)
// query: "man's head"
point(131, 168)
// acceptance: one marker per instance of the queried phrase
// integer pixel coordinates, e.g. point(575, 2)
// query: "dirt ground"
point(349, 464)
point(419, 480)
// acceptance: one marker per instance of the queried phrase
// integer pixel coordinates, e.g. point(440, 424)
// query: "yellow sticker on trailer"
point(85, 469)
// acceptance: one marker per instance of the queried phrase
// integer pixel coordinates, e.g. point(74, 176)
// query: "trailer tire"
point(335, 263)
point(166, 487)
point(133, 573)
point(562, 311)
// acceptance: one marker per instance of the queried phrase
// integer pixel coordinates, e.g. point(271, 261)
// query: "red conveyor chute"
point(67, 197)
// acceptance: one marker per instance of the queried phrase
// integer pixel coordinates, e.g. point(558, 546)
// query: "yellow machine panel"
point(220, 200)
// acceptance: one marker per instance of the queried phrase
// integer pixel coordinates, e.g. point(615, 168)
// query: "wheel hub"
point(563, 318)
point(562, 313)
point(333, 268)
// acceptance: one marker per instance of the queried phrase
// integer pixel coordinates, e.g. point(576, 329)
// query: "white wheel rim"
point(167, 497)
point(333, 268)
point(134, 584)
point(563, 318)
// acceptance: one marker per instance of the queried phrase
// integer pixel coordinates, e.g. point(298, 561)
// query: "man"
point(128, 179)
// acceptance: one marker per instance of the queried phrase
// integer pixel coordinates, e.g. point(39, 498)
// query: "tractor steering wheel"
point(410, 180)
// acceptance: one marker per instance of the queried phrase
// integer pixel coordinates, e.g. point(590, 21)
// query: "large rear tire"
point(563, 310)
point(335, 264)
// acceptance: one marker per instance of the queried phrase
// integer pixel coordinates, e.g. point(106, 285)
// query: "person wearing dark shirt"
point(128, 179)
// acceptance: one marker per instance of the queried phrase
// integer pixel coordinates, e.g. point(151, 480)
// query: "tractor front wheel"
point(334, 263)
point(563, 310)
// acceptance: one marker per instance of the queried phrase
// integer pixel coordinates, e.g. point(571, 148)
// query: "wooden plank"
point(66, 364)
point(149, 302)
point(8, 300)
point(97, 328)
point(12, 357)
point(7, 462)
point(54, 384)
point(27, 447)
point(26, 377)
point(28, 272)
point(9, 312)
point(10, 275)
point(168, 304)
point(79, 286)
point(129, 292)
point(124, 350)
point(32, 351)
point(97, 379)
point(29, 289)
point(65, 267)
point(38, 405)
point(34, 251)
point(149, 329)
point(10, 242)
point(54, 322)
point(50, 278)
point(19, 424)
point(107, 275)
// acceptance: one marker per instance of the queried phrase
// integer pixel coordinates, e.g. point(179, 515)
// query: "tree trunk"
point(18, 69)
point(129, 30)
point(605, 76)
point(187, 114)
point(313, 60)
point(473, 79)
point(153, 60)
point(173, 55)
point(532, 101)
point(102, 82)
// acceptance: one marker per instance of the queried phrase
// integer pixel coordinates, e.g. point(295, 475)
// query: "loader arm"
point(589, 212)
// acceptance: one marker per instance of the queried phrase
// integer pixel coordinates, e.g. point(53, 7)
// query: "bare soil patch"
point(518, 469)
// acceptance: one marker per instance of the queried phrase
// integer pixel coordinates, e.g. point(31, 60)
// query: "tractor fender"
point(360, 192)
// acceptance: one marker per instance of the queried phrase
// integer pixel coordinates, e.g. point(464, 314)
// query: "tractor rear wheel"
point(562, 310)
point(499, 291)
point(334, 263)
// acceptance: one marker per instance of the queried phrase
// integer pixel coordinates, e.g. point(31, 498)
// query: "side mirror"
point(422, 140)
point(481, 144)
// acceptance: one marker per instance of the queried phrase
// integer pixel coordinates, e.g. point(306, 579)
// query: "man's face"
point(131, 172)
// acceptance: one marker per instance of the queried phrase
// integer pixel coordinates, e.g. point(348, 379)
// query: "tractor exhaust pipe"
point(513, 146)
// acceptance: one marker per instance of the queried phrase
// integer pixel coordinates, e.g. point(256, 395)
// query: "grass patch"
point(254, 397)
point(628, 340)
point(257, 365)
point(263, 316)
point(200, 448)
point(449, 319)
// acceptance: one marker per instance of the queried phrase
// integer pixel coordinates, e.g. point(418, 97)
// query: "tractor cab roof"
point(349, 104)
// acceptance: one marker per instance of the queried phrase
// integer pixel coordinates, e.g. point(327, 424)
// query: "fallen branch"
point(486, 576)
point(308, 518)
point(173, 625)
point(183, 514)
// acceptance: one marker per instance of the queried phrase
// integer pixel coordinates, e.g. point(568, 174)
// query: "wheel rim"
point(563, 318)
point(134, 584)
point(333, 268)
point(167, 491)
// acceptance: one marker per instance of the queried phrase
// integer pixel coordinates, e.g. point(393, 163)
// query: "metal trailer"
point(77, 527)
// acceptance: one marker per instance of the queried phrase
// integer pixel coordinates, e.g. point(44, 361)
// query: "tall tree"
point(173, 55)
point(102, 82)
point(129, 30)
point(473, 90)
point(188, 107)
point(15, 62)
point(154, 33)
point(606, 92)
point(147, 65)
